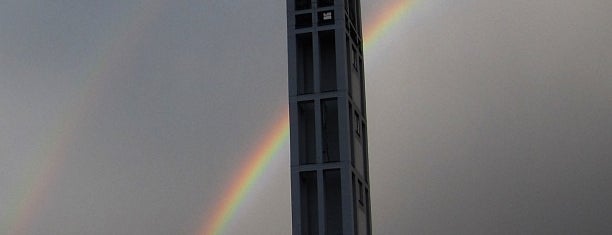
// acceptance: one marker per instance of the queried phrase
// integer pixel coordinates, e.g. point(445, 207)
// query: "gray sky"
point(131, 116)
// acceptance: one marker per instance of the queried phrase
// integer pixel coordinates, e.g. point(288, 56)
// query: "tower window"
point(329, 121)
point(360, 193)
point(327, 60)
point(333, 201)
point(309, 202)
point(304, 63)
point(325, 3)
point(356, 125)
point(306, 130)
point(351, 4)
point(303, 21)
point(302, 4)
point(355, 59)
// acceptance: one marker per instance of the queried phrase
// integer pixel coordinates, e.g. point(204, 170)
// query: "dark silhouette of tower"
point(329, 155)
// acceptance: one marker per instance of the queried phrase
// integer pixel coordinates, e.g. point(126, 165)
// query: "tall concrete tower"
point(330, 190)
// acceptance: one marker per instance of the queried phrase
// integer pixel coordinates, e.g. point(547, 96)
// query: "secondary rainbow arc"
point(216, 222)
point(55, 150)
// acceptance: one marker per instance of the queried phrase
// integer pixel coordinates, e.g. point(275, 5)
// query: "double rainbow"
point(215, 222)
point(278, 136)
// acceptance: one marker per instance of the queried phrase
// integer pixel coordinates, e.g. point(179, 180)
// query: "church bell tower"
point(330, 187)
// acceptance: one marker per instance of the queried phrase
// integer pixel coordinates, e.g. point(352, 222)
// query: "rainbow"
point(278, 136)
point(384, 21)
point(247, 176)
point(40, 179)
point(43, 173)
point(53, 153)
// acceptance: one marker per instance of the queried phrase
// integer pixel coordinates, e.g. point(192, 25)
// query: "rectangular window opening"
point(329, 121)
point(347, 23)
point(306, 132)
point(355, 216)
point(358, 15)
point(309, 203)
point(356, 124)
point(302, 5)
point(333, 202)
point(325, 3)
point(364, 135)
point(303, 21)
point(360, 193)
point(305, 70)
point(352, 9)
point(348, 68)
point(362, 82)
point(355, 76)
point(355, 59)
point(358, 154)
point(352, 137)
point(327, 61)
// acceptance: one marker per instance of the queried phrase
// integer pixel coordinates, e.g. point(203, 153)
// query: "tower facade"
point(330, 189)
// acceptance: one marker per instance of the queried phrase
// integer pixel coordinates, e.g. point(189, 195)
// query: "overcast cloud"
point(131, 116)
